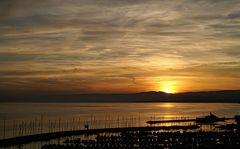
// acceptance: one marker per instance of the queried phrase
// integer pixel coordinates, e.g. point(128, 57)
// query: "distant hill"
point(208, 96)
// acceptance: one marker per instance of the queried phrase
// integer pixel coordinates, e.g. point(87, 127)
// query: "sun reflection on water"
point(166, 105)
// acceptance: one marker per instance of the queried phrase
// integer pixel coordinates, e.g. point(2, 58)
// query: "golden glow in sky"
point(169, 87)
point(119, 46)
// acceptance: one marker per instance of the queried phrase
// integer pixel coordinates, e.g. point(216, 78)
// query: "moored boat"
point(211, 118)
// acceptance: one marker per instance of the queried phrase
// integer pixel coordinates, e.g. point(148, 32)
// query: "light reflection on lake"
point(69, 116)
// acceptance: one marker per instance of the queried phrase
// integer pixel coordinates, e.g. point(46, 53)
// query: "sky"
point(119, 46)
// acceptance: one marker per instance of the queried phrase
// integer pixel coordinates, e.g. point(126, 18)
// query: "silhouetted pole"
point(72, 128)
point(29, 127)
point(95, 122)
point(55, 126)
point(139, 123)
point(4, 127)
point(34, 124)
point(19, 129)
point(118, 121)
point(79, 125)
point(25, 127)
point(91, 122)
point(67, 124)
point(110, 121)
point(13, 130)
point(49, 126)
point(59, 124)
point(41, 124)
point(105, 122)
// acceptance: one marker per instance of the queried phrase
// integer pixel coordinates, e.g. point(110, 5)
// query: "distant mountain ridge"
point(207, 96)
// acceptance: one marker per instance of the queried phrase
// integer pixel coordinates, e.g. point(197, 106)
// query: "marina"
point(120, 128)
point(234, 128)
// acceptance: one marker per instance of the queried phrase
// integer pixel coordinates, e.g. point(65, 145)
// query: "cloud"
point(14, 57)
point(234, 15)
point(137, 42)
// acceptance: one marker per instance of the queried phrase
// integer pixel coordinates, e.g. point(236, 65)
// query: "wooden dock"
point(185, 120)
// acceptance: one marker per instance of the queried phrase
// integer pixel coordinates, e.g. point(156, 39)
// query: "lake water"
point(19, 119)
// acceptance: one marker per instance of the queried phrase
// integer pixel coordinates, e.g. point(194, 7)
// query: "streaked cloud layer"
point(119, 46)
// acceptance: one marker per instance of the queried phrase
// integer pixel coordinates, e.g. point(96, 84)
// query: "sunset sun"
point(169, 87)
point(168, 90)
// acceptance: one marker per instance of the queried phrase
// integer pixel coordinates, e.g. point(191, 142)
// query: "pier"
point(207, 119)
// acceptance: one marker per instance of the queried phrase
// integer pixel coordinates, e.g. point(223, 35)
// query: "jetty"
point(170, 121)
point(211, 118)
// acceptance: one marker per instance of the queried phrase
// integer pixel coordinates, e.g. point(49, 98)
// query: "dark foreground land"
point(154, 140)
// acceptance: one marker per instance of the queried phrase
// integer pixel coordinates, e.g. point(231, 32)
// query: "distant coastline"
point(225, 96)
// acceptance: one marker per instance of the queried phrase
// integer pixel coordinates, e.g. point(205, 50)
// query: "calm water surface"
point(29, 118)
